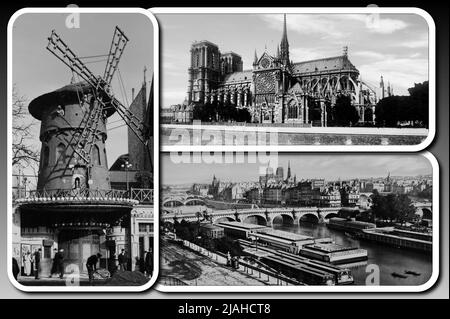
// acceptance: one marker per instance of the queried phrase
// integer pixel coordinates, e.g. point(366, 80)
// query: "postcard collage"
point(222, 150)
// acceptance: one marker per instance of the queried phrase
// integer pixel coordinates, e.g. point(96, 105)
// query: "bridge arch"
point(224, 219)
point(283, 218)
point(254, 219)
point(426, 213)
point(194, 202)
point(172, 203)
point(309, 217)
point(328, 215)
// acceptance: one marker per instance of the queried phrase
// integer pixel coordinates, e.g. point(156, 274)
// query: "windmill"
point(103, 103)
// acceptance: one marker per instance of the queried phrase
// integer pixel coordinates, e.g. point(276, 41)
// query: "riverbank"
point(204, 268)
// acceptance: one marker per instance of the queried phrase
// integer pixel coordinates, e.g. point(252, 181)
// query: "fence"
point(271, 277)
point(142, 195)
point(170, 281)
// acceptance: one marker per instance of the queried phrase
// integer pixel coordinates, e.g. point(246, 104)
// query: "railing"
point(85, 194)
point(143, 195)
point(244, 124)
point(170, 281)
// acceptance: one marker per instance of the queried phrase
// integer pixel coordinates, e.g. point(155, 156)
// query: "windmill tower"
point(74, 206)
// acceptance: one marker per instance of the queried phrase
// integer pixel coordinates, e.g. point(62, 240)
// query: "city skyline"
point(328, 167)
point(389, 48)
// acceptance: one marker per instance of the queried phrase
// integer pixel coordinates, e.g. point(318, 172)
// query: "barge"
point(348, 225)
point(398, 238)
point(311, 272)
point(334, 253)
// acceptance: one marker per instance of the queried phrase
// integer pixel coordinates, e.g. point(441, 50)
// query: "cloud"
point(423, 43)
point(305, 24)
point(370, 54)
point(377, 24)
point(305, 54)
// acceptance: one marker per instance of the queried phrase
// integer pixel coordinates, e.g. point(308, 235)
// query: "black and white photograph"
point(298, 221)
point(82, 150)
point(322, 79)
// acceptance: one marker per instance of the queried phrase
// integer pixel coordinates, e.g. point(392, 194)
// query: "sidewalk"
point(68, 280)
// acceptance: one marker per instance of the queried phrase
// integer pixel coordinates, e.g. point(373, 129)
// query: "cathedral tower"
point(204, 73)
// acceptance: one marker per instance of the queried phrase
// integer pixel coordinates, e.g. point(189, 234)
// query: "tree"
point(145, 179)
point(392, 207)
point(345, 114)
point(419, 97)
point(393, 110)
point(24, 153)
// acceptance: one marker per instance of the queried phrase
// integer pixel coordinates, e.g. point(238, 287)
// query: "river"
point(388, 259)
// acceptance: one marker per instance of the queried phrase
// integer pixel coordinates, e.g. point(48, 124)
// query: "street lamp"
point(126, 166)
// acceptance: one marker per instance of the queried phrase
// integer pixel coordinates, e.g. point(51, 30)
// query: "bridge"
point(261, 216)
point(424, 209)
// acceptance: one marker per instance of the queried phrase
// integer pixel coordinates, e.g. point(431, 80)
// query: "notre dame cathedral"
point(277, 90)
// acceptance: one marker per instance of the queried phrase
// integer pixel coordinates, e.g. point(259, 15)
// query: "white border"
point(155, 141)
point(352, 288)
point(324, 148)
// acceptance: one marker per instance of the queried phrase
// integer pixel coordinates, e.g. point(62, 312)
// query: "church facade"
point(276, 89)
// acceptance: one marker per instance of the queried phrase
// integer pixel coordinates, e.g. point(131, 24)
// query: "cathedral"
point(276, 89)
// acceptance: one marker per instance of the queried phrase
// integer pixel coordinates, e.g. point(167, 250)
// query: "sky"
point(36, 71)
point(395, 46)
point(184, 170)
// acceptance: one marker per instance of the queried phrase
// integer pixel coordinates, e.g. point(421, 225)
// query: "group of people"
point(145, 263)
point(32, 263)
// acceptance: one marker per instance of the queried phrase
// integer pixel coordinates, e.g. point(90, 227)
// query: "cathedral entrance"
point(79, 245)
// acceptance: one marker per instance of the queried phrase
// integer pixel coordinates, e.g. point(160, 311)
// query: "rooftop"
point(323, 65)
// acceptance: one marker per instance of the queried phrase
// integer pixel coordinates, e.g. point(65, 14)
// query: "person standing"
point(16, 268)
point(37, 263)
point(59, 259)
point(148, 264)
point(122, 260)
point(91, 265)
point(27, 263)
point(54, 265)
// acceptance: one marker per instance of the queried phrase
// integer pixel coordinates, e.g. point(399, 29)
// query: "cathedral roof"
point(337, 63)
point(243, 76)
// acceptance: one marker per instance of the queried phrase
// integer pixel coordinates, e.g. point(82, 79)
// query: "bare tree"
point(24, 153)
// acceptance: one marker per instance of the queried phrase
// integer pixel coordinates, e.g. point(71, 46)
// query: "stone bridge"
point(261, 216)
point(424, 209)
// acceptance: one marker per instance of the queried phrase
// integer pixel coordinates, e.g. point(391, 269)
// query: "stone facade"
point(277, 90)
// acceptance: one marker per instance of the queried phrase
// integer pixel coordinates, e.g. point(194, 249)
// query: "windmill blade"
point(118, 43)
point(62, 51)
point(131, 120)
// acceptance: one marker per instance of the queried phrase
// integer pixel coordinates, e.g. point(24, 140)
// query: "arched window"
point(60, 153)
point(45, 156)
point(77, 183)
point(292, 111)
point(96, 155)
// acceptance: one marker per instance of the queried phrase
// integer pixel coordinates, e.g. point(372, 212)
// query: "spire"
point(345, 50)
point(278, 51)
point(145, 76)
point(255, 60)
point(289, 170)
point(284, 46)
